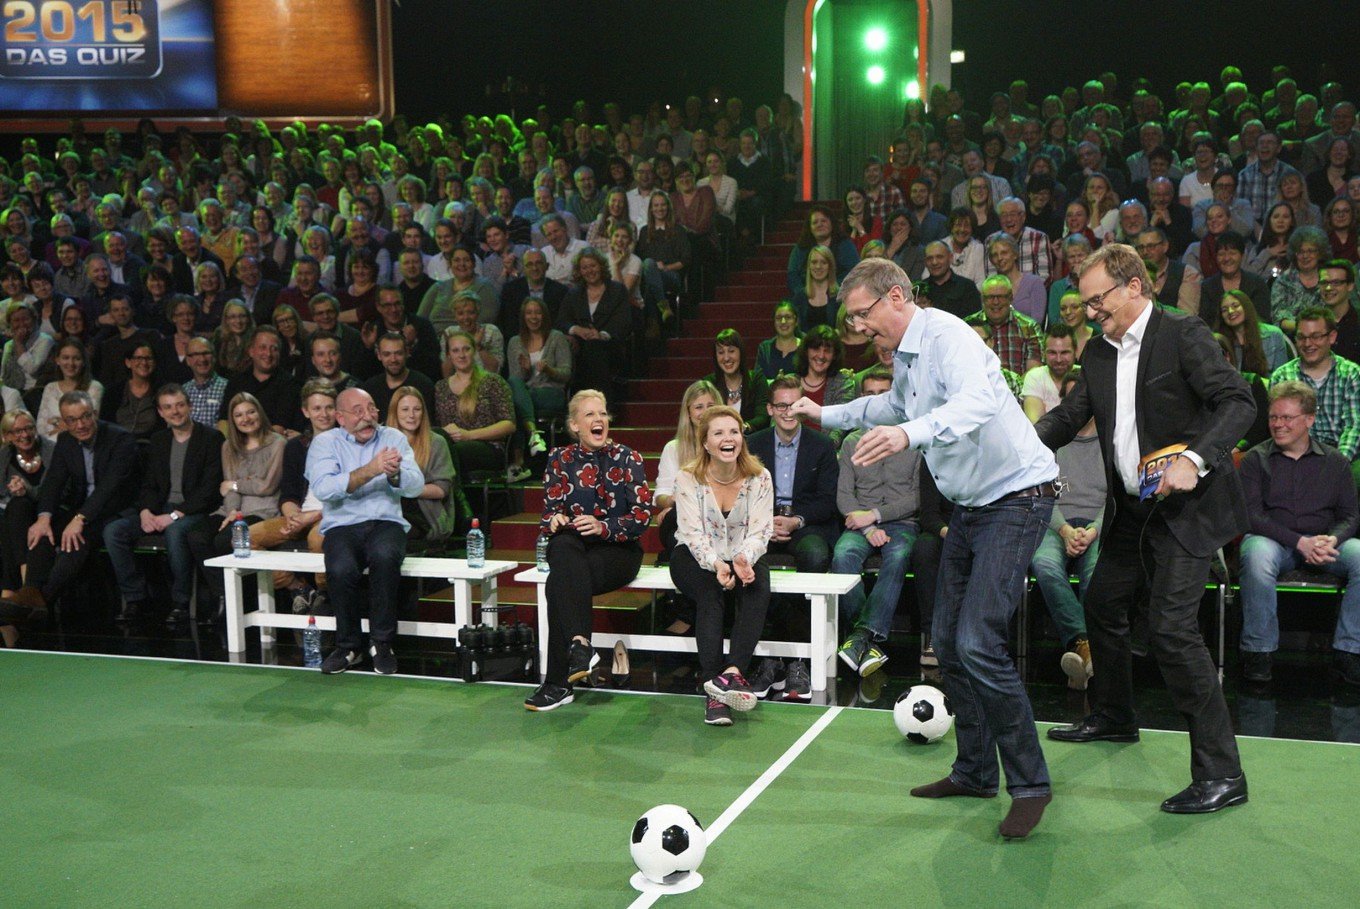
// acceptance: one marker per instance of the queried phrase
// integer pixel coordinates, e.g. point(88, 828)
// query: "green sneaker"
point(852, 651)
point(874, 657)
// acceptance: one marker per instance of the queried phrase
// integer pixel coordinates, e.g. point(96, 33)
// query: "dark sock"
point(945, 788)
point(1024, 816)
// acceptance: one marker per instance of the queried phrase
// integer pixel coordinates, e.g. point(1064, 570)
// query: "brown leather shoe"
point(30, 597)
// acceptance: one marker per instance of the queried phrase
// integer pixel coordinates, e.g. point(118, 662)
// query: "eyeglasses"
point(996, 298)
point(86, 417)
point(1284, 418)
point(1317, 336)
point(857, 318)
point(368, 410)
point(1330, 282)
point(1095, 301)
point(781, 408)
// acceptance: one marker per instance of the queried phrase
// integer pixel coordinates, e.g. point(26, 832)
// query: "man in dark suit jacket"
point(1157, 379)
point(534, 283)
point(192, 253)
point(802, 462)
point(249, 285)
point(180, 488)
point(92, 480)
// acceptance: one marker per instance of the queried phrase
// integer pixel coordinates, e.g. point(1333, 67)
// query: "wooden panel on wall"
point(285, 58)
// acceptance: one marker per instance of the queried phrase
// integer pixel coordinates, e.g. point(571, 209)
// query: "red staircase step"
point(690, 368)
point(768, 262)
point(748, 327)
point(658, 390)
point(649, 412)
point(758, 278)
point(782, 235)
point(647, 439)
point(749, 294)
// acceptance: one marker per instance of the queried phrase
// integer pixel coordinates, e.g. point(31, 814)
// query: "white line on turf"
point(754, 790)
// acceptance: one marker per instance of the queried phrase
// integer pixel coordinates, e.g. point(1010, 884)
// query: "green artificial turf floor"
point(155, 784)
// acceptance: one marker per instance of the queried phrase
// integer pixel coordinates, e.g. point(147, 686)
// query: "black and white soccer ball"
point(667, 842)
point(923, 714)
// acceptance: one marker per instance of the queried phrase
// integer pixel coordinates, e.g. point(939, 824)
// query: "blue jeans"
point(379, 546)
point(982, 577)
point(852, 549)
point(120, 538)
point(657, 282)
point(1050, 567)
point(1263, 561)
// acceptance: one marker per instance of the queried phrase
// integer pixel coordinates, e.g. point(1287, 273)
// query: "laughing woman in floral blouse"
point(596, 506)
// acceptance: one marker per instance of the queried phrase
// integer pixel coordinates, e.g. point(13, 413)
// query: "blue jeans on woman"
point(983, 572)
point(852, 550)
point(657, 282)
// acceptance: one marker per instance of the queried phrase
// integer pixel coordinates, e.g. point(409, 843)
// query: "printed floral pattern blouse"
point(712, 537)
point(609, 484)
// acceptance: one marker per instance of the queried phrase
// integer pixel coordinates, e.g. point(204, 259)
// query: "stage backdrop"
point(192, 59)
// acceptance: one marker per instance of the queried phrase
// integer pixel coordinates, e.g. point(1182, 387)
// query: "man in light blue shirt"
point(361, 471)
point(949, 400)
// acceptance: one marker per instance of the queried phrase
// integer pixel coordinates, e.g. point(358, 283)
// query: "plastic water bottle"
point(476, 546)
point(240, 537)
point(541, 553)
point(311, 644)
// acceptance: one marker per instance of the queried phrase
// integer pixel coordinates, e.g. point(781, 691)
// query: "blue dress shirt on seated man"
point(361, 471)
point(949, 400)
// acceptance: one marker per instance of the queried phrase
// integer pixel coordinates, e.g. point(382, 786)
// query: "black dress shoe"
point(1205, 796)
point(1095, 728)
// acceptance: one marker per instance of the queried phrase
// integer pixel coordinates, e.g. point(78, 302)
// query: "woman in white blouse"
point(724, 187)
point(724, 506)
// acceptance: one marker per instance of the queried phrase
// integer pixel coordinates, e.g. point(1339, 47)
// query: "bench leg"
point(491, 612)
point(462, 602)
point(542, 630)
point(236, 632)
point(823, 640)
point(264, 585)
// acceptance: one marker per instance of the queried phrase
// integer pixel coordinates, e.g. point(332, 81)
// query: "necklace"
point(813, 386)
point(25, 464)
point(716, 482)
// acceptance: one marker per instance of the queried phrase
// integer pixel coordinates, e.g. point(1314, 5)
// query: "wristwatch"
point(174, 516)
point(235, 486)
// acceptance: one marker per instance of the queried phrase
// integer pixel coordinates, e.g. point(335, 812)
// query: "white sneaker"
point(536, 444)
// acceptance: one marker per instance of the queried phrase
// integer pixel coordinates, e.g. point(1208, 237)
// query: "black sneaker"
point(178, 616)
point(1347, 666)
point(798, 683)
point(580, 660)
point(769, 676)
point(717, 713)
point(384, 660)
point(340, 660)
point(548, 697)
point(732, 690)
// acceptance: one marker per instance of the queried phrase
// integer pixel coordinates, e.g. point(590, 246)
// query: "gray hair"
point(877, 276)
point(73, 398)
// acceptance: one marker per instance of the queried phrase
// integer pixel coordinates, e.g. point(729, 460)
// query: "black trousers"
point(708, 595)
point(53, 571)
point(581, 569)
point(20, 514)
point(1173, 580)
point(379, 546)
point(925, 565)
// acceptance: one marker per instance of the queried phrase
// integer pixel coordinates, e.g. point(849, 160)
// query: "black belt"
point(1043, 489)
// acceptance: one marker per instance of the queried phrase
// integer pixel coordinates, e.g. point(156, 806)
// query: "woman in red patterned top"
point(596, 506)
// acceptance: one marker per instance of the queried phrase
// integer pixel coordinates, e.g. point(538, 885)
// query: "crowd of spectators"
point(482, 269)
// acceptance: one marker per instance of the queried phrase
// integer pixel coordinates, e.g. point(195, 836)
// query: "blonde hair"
point(686, 433)
point(467, 401)
point(748, 465)
point(420, 439)
point(574, 404)
point(237, 440)
point(830, 257)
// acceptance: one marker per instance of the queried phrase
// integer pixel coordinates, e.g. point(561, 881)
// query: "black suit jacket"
point(815, 475)
point(613, 314)
point(515, 292)
point(115, 475)
point(202, 472)
point(266, 297)
point(1187, 393)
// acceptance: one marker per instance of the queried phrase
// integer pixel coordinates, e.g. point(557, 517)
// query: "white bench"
point(263, 564)
point(823, 592)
